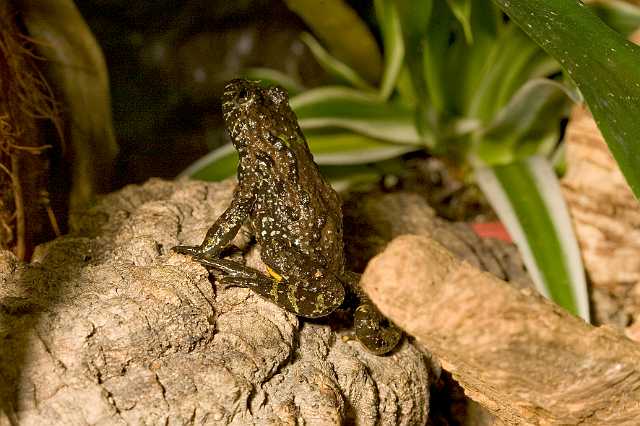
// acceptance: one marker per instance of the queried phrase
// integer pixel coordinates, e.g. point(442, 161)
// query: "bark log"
point(108, 326)
point(521, 356)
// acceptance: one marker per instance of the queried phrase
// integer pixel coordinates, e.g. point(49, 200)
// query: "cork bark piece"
point(525, 359)
point(108, 326)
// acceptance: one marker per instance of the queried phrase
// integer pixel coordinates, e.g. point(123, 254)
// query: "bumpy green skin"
point(295, 214)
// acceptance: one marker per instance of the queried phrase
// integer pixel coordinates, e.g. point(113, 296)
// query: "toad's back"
point(295, 208)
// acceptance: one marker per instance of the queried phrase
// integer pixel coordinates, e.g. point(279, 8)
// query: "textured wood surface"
point(108, 326)
point(525, 359)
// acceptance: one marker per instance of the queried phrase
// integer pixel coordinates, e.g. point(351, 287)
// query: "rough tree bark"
point(108, 326)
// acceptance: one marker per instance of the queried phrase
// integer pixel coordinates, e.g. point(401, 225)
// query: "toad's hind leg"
point(317, 297)
point(301, 284)
point(294, 296)
point(231, 268)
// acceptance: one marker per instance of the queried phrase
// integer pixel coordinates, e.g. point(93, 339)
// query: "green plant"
point(463, 82)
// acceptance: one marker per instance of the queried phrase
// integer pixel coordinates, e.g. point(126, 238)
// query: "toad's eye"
point(243, 95)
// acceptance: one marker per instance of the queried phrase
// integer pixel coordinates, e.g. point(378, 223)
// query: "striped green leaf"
point(602, 63)
point(462, 11)
point(356, 111)
point(218, 164)
point(529, 124)
point(329, 149)
point(351, 148)
point(389, 21)
point(344, 33)
point(526, 196)
point(334, 66)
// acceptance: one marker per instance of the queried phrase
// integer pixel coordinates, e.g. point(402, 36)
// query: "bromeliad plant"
point(460, 80)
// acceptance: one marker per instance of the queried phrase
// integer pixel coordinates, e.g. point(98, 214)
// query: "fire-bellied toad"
point(295, 214)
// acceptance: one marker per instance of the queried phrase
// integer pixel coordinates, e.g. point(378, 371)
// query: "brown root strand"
point(26, 100)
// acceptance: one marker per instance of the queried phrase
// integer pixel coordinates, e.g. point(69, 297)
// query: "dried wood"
point(108, 326)
point(525, 359)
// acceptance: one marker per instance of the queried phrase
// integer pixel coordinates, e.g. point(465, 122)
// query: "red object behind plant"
point(491, 230)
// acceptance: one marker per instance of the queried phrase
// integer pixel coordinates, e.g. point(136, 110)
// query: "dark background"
point(168, 61)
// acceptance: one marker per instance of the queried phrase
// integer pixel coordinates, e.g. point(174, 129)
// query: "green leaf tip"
point(603, 64)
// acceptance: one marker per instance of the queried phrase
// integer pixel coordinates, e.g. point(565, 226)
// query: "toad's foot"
point(374, 330)
point(199, 253)
point(191, 250)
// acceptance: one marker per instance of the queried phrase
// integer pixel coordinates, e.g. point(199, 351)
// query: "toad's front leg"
point(224, 229)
